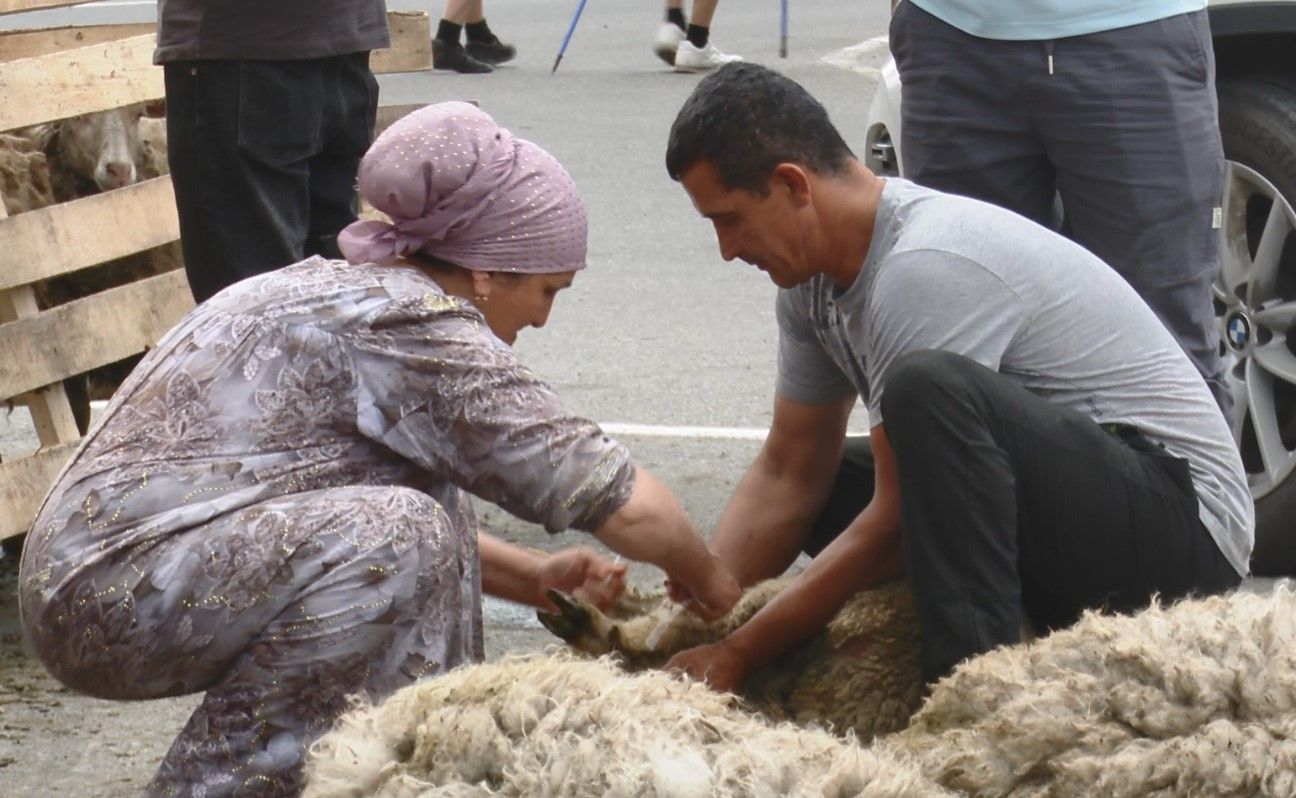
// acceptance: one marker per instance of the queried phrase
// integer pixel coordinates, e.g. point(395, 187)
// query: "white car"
point(1255, 293)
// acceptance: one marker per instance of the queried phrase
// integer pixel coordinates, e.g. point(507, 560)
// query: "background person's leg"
point(1130, 118)
point(697, 53)
point(998, 485)
point(351, 102)
point(239, 134)
point(482, 42)
point(966, 127)
point(671, 32)
point(447, 51)
point(703, 12)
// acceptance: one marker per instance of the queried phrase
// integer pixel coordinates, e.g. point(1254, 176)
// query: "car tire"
point(1258, 123)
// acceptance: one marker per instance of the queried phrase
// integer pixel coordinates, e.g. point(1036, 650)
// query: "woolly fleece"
point(1198, 698)
point(560, 726)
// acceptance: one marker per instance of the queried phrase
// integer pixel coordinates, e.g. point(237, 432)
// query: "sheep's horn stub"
point(571, 620)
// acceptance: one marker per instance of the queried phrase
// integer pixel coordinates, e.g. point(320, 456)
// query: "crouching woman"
point(274, 507)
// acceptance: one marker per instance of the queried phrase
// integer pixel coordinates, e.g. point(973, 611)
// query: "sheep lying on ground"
point(862, 673)
point(559, 726)
point(1194, 699)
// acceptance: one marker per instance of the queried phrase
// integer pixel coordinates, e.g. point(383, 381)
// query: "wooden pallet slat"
point(87, 333)
point(15, 6)
point(410, 51)
point(411, 44)
point(24, 483)
point(74, 235)
point(78, 81)
point(35, 42)
point(50, 410)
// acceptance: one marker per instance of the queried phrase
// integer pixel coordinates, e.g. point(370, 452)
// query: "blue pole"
point(783, 30)
point(570, 30)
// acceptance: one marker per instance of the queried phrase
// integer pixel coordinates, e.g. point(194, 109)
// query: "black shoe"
point(496, 52)
point(454, 56)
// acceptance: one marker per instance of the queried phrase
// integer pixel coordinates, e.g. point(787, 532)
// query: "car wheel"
point(1255, 304)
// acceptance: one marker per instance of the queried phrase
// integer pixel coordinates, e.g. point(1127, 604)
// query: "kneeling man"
point(1039, 443)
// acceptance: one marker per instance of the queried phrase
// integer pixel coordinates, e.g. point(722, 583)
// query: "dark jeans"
point(1125, 130)
point(263, 156)
point(1013, 504)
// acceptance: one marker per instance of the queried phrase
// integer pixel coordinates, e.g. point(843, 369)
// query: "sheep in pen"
point(79, 157)
point(1197, 698)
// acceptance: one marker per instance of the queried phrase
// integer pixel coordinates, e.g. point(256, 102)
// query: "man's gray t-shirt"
point(279, 30)
point(951, 273)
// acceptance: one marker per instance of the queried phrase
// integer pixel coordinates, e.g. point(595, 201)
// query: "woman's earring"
point(480, 298)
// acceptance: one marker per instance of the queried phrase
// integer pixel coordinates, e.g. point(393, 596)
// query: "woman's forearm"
point(508, 571)
point(652, 527)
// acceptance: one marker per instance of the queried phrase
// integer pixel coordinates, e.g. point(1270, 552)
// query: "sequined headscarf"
point(461, 188)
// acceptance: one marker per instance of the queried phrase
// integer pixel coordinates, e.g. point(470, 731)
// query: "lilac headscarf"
point(460, 187)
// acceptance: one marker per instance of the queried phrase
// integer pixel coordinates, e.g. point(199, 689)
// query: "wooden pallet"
point(52, 74)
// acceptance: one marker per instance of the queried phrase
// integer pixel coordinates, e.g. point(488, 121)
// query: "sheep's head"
point(644, 634)
point(100, 149)
point(583, 626)
point(645, 629)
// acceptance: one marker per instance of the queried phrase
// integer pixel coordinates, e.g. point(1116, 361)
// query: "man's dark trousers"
point(263, 157)
point(1013, 505)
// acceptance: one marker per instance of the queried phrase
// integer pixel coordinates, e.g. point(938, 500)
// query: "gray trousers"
point(1123, 128)
point(279, 612)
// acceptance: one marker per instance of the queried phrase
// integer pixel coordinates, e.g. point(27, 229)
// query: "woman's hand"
point(582, 572)
point(717, 664)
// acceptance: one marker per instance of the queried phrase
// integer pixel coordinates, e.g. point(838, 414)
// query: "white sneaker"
point(668, 40)
point(690, 58)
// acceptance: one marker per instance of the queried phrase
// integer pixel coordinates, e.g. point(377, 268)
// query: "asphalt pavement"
point(659, 339)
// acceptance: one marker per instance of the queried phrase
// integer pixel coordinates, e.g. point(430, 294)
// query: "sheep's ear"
point(571, 621)
point(41, 134)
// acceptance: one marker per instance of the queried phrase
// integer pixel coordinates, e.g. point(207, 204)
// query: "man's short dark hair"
point(747, 119)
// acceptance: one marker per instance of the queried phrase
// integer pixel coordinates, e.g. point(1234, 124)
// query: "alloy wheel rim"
point(1255, 304)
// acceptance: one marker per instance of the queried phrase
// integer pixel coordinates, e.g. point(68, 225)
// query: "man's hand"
point(717, 664)
point(582, 572)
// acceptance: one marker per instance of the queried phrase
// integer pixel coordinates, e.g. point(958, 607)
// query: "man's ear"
point(793, 179)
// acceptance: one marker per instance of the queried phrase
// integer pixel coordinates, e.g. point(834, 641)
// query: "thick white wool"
point(1194, 699)
point(553, 725)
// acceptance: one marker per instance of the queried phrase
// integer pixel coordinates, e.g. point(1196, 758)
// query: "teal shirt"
point(1045, 20)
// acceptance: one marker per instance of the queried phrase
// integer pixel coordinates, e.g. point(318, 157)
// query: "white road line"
point(721, 433)
point(654, 430)
point(666, 431)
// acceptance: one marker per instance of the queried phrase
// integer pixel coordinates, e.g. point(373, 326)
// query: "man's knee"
point(924, 380)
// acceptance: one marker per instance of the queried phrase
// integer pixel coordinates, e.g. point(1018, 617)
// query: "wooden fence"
point(52, 74)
